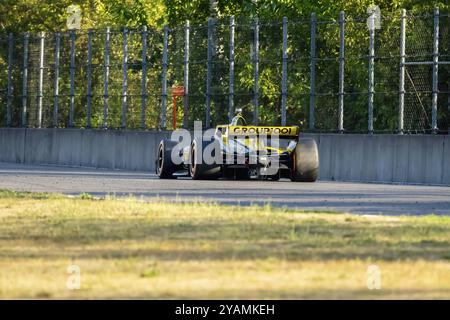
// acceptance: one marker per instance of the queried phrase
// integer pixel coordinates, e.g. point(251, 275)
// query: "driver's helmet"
point(238, 119)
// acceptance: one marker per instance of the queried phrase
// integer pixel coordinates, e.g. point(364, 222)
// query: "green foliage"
point(198, 10)
point(19, 16)
point(50, 15)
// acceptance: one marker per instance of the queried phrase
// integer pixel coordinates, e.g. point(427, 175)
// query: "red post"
point(177, 91)
point(174, 109)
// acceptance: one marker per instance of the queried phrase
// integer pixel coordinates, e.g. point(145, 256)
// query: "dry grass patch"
point(127, 248)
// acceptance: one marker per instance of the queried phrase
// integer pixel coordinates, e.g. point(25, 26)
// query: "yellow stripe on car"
point(263, 130)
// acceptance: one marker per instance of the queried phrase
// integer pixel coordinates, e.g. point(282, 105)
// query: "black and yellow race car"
point(241, 151)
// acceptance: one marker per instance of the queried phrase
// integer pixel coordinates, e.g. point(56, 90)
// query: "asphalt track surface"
point(361, 198)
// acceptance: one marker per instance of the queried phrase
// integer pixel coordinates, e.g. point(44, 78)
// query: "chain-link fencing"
point(326, 76)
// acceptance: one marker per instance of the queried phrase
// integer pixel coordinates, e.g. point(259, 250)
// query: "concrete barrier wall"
point(132, 150)
point(383, 158)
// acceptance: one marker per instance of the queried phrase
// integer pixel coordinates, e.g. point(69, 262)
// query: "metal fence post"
point(401, 102)
point(448, 86)
point(256, 72)
point(72, 77)
point(231, 79)
point(89, 81)
point(341, 70)
point(186, 75)
point(56, 80)
point(41, 79)
point(284, 73)
point(434, 98)
point(124, 78)
point(312, 79)
point(10, 85)
point(106, 79)
point(25, 79)
point(371, 70)
point(208, 76)
point(144, 76)
point(164, 79)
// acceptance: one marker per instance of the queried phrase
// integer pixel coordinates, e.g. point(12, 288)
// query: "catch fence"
point(326, 75)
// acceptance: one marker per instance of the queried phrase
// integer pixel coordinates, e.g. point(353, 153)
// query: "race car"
point(241, 151)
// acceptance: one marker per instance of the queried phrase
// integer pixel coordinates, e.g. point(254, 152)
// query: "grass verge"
point(126, 248)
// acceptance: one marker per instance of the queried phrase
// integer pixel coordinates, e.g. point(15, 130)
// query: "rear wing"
point(291, 132)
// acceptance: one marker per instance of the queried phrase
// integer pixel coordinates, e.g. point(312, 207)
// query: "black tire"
point(202, 171)
point(237, 174)
point(274, 177)
point(228, 173)
point(242, 174)
point(165, 168)
point(305, 161)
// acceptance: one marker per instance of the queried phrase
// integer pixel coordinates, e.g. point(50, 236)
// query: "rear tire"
point(165, 168)
point(275, 177)
point(242, 174)
point(202, 171)
point(305, 161)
